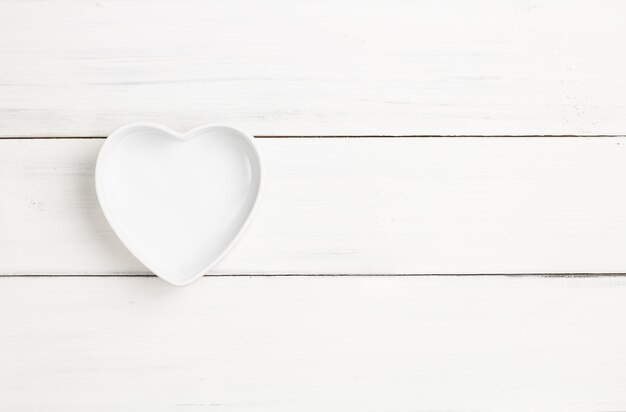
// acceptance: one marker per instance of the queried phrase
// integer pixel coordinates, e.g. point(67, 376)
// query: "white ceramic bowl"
point(178, 201)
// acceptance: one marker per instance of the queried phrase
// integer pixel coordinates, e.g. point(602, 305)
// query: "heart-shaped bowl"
point(178, 201)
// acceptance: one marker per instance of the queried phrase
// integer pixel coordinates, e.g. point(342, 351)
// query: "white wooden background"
point(443, 228)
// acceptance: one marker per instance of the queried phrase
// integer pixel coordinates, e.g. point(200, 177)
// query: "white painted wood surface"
point(353, 206)
point(332, 206)
point(83, 68)
point(310, 344)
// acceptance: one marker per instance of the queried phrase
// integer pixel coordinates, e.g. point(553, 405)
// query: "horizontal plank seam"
point(415, 136)
point(109, 275)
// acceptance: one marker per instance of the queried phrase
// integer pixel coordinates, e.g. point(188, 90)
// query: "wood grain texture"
point(352, 206)
point(332, 206)
point(310, 344)
point(80, 68)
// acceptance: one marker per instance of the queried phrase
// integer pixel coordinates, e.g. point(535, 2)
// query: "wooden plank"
point(75, 68)
point(353, 206)
point(307, 343)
